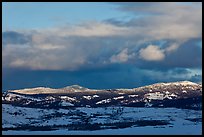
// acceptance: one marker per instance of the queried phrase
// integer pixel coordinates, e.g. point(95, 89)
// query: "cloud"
point(12, 37)
point(160, 20)
point(121, 57)
point(99, 44)
point(172, 47)
point(87, 29)
point(196, 78)
point(152, 53)
point(43, 56)
point(175, 74)
point(187, 55)
point(51, 50)
point(77, 52)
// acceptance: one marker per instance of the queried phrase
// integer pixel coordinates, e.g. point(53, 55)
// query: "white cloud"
point(152, 53)
point(87, 29)
point(172, 47)
point(50, 47)
point(121, 57)
point(17, 63)
point(35, 57)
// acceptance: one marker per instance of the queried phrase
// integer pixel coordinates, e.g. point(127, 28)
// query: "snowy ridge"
point(77, 88)
point(38, 90)
point(174, 94)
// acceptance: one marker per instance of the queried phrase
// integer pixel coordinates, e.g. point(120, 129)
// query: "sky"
point(100, 45)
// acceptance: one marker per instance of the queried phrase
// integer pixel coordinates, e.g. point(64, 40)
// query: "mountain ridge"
point(81, 88)
point(175, 94)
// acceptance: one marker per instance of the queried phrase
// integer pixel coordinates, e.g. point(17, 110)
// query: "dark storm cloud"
point(196, 78)
point(188, 55)
point(112, 76)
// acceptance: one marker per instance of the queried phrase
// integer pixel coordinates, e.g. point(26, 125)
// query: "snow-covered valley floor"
point(101, 121)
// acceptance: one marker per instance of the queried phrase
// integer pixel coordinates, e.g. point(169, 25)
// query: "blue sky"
point(100, 45)
point(29, 15)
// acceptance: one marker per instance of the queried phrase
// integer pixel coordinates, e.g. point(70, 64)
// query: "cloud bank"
point(97, 44)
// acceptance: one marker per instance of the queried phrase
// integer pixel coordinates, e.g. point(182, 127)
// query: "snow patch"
point(49, 98)
point(87, 97)
point(184, 91)
point(104, 101)
point(155, 96)
point(116, 98)
point(173, 95)
point(167, 92)
point(67, 98)
point(132, 96)
point(95, 96)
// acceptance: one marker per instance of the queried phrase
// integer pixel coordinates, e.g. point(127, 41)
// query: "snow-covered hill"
point(152, 109)
point(183, 94)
